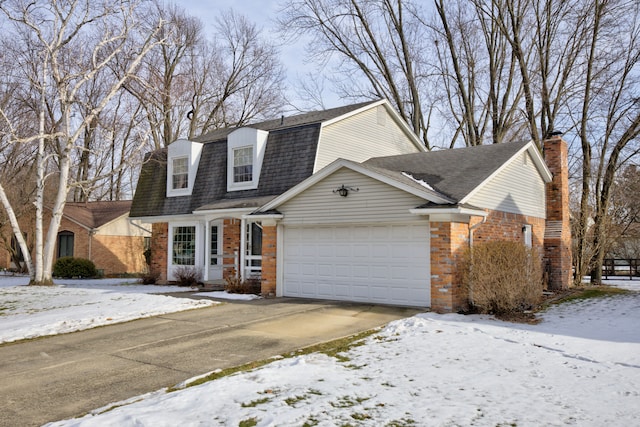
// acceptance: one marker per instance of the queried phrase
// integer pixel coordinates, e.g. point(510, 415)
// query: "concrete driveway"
point(64, 376)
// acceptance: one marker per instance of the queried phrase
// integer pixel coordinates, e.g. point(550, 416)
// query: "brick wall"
point(159, 250)
point(269, 251)
point(557, 239)
point(230, 247)
point(118, 254)
point(450, 240)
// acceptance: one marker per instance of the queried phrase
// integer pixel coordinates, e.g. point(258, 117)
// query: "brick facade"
point(159, 251)
point(450, 240)
point(557, 238)
point(230, 247)
point(113, 255)
point(269, 252)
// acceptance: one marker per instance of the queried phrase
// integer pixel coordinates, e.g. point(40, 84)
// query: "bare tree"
point(381, 43)
point(70, 44)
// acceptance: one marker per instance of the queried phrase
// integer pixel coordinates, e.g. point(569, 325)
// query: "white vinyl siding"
point(518, 189)
point(361, 137)
point(373, 202)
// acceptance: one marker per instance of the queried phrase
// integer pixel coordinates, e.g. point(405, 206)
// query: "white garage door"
point(384, 264)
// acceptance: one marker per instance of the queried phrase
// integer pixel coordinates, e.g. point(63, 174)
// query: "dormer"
point(182, 164)
point(245, 152)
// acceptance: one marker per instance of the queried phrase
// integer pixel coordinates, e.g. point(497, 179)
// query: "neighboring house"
point(345, 204)
point(102, 232)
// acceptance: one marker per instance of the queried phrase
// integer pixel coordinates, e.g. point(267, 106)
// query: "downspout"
point(472, 229)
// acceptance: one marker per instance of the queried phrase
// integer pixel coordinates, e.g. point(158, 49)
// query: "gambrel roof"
point(289, 158)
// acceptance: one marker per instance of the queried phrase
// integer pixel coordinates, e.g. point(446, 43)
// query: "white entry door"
point(383, 264)
point(215, 250)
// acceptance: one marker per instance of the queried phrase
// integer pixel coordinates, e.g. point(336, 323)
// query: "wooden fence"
point(621, 267)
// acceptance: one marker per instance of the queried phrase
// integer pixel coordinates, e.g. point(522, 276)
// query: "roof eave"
point(449, 211)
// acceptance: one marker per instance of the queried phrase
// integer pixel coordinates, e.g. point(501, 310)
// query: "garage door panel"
point(366, 263)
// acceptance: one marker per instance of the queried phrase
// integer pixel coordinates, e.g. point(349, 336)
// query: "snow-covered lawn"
point(579, 366)
point(73, 305)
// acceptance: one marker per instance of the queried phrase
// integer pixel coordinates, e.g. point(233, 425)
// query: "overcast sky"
point(263, 13)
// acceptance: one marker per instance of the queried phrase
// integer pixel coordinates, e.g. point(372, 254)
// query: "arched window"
point(65, 244)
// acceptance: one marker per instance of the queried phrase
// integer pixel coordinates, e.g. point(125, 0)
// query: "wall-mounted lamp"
point(344, 191)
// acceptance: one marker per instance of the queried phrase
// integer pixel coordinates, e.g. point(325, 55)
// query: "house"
point(346, 204)
point(101, 231)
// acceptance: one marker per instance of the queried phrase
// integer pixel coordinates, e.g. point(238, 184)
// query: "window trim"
point(192, 244)
point(251, 165)
point(174, 174)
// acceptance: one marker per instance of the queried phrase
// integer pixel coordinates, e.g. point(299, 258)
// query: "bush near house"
point(234, 285)
point(502, 277)
point(188, 276)
point(69, 267)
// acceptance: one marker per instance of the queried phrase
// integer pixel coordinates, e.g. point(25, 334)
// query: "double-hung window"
point(243, 164)
point(180, 173)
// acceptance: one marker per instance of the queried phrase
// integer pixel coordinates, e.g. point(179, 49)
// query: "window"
point(243, 164)
point(184, 246)
point(65, 244)
point(213, 253)
point(527, 235)
point(180, 173)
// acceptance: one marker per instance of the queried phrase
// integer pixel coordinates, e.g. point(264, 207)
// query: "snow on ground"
point(579, 366)
point(73, 305)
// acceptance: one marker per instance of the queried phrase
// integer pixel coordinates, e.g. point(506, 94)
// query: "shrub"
point(234, 285)
point(502, 277)
point(149, 278)
point(188, 276)
point(68, 267)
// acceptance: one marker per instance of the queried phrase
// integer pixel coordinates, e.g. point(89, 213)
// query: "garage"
point(383, 264)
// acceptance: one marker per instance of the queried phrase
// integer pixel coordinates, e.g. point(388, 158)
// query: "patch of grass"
point(330, 348)
point(360, 416)
point(249, 422)
point(311, 422)
point(256, 402)
point(584, 293)
point(348, 402)
point(295, 399)
point(404, 422)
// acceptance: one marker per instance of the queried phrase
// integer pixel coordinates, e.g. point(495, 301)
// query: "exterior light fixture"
point(344, 191)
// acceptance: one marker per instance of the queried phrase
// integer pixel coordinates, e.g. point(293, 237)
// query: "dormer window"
point(180, 173)
point(182, 165)
point(243, 164)
point(246, 148)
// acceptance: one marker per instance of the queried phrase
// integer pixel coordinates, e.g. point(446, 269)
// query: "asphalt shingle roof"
point(96, 214)
point(454, 173)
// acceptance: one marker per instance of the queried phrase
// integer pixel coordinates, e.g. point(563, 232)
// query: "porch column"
point(207, 250)
point(449, 240)
point(269, 258)
point(243, 249)
point(159, 251)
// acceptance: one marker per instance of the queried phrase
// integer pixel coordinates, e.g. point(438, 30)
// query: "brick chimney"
point(557, 235)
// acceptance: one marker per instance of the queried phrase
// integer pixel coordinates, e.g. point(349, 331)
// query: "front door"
point(215, 250)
